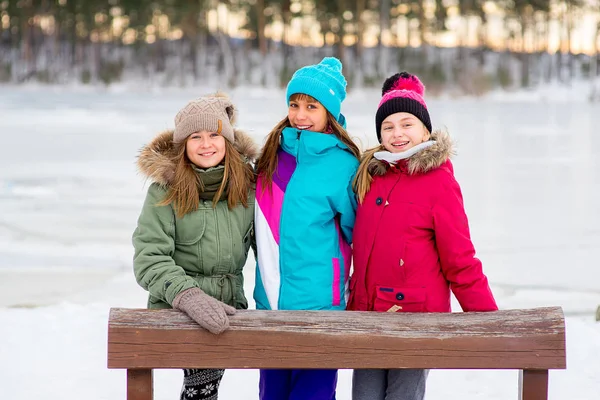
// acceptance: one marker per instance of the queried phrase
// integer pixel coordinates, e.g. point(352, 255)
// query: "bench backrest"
point(511, 339)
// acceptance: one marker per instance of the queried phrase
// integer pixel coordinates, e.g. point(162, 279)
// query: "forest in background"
point(462, 46)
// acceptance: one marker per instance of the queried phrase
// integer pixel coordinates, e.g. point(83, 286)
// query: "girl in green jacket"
point(196, 225)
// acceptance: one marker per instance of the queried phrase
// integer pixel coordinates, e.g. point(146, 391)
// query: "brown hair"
point(184, 193)
point(267, 162)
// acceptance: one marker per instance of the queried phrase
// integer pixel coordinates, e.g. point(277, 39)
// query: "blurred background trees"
point(467, 46)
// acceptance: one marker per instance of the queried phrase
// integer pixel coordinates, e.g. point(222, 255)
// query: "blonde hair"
point(363, 178)
point(267, 163)
point(184, 193)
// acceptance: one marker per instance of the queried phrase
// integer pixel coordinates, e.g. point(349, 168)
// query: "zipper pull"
point(299, 132)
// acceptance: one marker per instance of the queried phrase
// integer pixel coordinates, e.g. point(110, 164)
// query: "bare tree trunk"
point(525, 55)
point(358, 67)
point(287, 17)
point(595, 90)
point(482, 38)
point(360, 9)
point(262, 41)
point(97, 59)
point(228, 61)
point(384, 28)
point(423, 28)
point(550, 67)
point(57, 60)
point(570, 13)
point(565, 46)
point(260, 15)
point(341, 48)
point(27, 38)
point(462, 50)
point(596, 53)
point(191, 30)
point(202, 45)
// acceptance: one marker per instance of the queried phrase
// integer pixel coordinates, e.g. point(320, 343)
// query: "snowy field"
point(70, 197)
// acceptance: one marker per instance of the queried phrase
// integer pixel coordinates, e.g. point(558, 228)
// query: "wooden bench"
point(532, 341)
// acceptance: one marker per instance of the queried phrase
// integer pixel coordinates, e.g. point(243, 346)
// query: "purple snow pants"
point(297, 384)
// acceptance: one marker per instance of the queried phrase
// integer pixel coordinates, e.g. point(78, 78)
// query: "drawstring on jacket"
point(221, 282)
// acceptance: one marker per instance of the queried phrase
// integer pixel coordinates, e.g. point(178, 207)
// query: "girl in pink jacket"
point(412, 244)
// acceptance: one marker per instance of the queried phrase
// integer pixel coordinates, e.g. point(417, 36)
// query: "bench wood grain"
point(531, 340)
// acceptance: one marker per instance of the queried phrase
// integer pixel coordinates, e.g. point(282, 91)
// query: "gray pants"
point(389, 384)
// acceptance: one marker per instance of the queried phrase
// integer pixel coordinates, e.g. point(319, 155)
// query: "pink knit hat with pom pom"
point(402, 92)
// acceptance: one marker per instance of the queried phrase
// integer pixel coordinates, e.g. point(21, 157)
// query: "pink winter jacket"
point(411, 239)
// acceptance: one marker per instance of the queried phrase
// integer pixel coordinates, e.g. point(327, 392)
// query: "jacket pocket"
point(399, 299)
point(190, 229)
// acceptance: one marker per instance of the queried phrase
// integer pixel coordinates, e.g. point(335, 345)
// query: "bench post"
point(139, 384)
point(533, 384)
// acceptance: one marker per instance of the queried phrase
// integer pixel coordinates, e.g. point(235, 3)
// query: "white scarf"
point(393, 158)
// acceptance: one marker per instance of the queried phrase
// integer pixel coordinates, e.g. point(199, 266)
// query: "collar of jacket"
point(211, 181)
point(295, 141)
point(393, 158)
point(423, 161)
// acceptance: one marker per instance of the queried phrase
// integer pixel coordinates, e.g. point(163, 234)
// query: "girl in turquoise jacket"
point(304, 216)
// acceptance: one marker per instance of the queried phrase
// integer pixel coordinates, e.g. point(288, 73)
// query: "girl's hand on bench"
point(208, 312)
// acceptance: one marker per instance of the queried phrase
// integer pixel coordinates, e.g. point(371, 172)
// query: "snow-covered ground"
point(70, 197)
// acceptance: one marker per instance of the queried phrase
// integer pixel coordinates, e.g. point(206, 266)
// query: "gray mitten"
point(208, 312)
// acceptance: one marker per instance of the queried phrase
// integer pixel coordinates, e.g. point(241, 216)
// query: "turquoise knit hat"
point(323, 81)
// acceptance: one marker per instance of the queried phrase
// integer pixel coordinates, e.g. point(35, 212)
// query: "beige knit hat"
point(212, 113)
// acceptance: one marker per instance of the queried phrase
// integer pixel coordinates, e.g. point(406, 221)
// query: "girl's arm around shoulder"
point(154, 245)
point(456, 251)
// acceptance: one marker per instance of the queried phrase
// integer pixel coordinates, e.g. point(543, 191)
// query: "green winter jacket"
point(206, 248)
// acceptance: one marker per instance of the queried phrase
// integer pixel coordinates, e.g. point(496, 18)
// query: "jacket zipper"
point(282, 225)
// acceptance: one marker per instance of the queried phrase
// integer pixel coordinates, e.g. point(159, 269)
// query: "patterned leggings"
point(201, 384)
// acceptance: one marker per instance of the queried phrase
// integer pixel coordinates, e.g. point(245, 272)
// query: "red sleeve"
point(457, 254)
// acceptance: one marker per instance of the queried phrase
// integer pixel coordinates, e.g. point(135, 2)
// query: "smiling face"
point(306, 113)
point(205, 149)
point(402, 131)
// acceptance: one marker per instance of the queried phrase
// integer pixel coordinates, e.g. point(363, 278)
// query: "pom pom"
point(389, 82)
point(403, 81)
point(332, 63)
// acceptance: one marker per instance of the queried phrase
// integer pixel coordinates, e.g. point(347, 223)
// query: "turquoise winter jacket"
point(304, 223)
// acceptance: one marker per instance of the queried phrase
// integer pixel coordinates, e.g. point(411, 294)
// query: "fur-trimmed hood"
point(156, 159)
point(425, 160)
